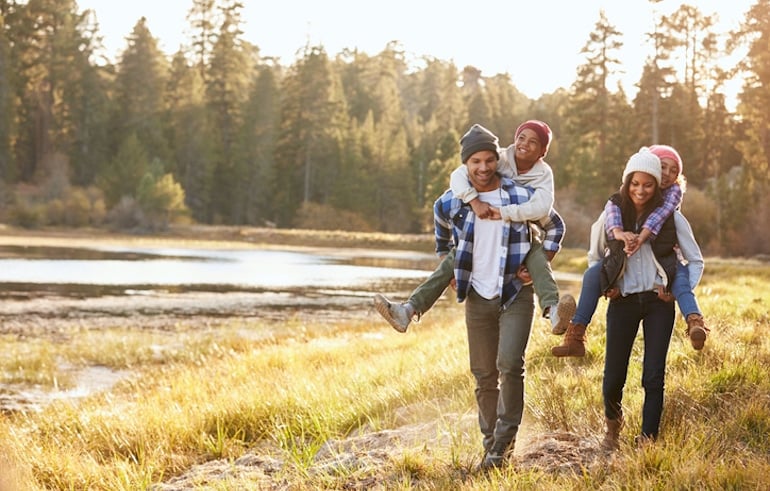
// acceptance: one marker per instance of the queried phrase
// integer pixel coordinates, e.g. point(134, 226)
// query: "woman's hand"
point(663, 294)
point(630, 249)
point(612, 293)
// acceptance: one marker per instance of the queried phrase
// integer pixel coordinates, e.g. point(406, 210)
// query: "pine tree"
point(590, 122)
point(140, 87)
point(190, 136)
point(256, 145)
point(750, 197)
point(7, 127)
point(313, 115)
point(227, 89)
point(125, 171)
point(50, 56)
point(90, 113)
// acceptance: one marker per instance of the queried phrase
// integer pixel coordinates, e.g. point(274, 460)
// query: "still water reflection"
point(243, 268)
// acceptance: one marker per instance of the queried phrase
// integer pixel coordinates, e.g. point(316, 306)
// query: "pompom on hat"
point(542, 130)
point(476, 139)
point(665, 151)
point(643, 161)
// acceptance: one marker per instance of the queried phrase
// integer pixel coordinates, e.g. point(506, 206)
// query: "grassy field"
point(302, 405)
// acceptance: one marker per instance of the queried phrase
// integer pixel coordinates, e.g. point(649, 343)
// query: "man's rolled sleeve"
point(442, 225)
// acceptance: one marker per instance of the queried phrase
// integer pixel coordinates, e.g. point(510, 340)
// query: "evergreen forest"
point(218, 134)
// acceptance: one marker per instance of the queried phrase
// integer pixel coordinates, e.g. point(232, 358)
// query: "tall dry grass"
point(287, 391)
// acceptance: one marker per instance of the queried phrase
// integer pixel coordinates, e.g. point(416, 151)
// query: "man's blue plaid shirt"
point(453, 221)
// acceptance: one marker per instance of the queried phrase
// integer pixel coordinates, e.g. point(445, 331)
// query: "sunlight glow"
point(539, 50)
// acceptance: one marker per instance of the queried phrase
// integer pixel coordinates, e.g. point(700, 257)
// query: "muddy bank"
point(49, 315)
point(60, 319)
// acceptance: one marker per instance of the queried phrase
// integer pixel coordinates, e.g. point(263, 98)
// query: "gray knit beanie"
point(477, 139)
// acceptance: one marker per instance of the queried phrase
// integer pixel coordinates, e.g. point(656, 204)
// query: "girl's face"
point(669, 172)
point(641, 188)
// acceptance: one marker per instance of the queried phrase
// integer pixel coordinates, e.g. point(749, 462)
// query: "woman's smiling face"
point(641, 188)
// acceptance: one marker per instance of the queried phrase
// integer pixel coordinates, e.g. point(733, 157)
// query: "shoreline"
point(223, 237)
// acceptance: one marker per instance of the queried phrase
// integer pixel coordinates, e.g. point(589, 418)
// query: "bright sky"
point(495, 36)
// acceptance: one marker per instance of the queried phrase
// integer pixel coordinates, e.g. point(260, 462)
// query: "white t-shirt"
point(488, 237)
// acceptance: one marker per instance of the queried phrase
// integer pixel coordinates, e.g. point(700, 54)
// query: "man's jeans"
point(497, 341)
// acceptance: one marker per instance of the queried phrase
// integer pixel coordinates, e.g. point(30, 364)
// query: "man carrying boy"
point(522, 162)
point(499, 307)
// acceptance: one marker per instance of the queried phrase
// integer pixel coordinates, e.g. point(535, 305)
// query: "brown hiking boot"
point(573, 343)
point(642, 441)
point(612, 436)
point(696, 331)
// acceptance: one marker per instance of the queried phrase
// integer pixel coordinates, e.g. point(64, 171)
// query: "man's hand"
point(524, 276)
point(453, 283)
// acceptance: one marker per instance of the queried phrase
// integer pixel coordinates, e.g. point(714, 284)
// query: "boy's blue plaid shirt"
point(453, 221)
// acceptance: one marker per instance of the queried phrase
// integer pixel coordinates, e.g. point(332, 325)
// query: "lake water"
point(117, 282)
point(231, 269)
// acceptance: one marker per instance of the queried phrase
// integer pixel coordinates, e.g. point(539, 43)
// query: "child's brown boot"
point(573, 343)
point(696, 331)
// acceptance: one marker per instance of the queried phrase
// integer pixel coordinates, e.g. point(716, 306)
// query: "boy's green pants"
point(428, 292)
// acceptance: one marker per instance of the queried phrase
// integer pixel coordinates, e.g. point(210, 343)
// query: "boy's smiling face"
point(528, 147)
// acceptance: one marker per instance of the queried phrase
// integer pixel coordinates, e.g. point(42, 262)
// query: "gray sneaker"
point(562, 314)
point(396, 314)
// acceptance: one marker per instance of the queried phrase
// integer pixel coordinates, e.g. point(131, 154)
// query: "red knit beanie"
point(664, 151)
point(542, 131)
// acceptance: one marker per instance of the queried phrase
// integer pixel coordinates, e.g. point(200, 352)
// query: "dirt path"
point(368, 458)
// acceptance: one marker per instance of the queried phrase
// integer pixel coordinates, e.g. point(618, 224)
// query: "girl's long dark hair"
point(627, 208)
